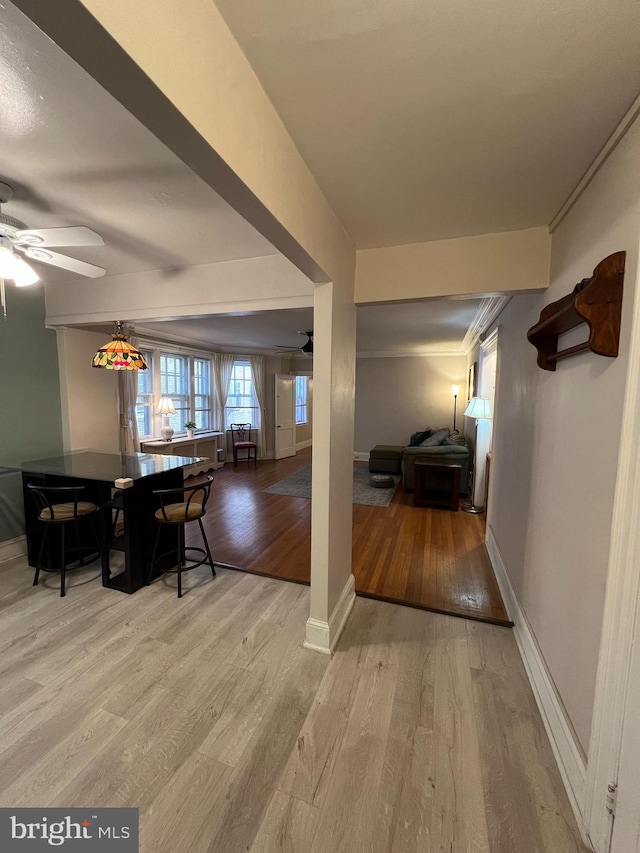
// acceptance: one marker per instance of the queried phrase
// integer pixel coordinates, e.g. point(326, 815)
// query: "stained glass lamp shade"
point(119, 354)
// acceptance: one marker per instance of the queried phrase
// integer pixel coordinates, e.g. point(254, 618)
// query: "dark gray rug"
point(298, 485)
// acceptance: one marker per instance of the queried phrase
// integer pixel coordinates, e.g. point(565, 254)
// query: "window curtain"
point(127, 396)
point(257, 373)
point(222, 369)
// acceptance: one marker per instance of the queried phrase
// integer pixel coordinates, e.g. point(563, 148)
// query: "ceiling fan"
point(305, 349)
point(16, 240)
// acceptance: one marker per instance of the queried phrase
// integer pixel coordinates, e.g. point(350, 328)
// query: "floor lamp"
point(456, 391)
point(480, 409)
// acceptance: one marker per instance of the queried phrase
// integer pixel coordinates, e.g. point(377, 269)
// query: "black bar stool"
point(60, 506)
point(191, 506)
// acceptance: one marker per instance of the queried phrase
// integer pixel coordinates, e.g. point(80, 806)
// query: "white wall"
point(556, 444)
point(398, 396)
point(231, 286)
point(485, 263)
point(89, 396)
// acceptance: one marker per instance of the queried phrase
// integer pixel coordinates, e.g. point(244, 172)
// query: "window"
point(202, 392)
point(301, 399)
point(186, 379)
point(242, 405)
point(144, 400)
point(174, 383)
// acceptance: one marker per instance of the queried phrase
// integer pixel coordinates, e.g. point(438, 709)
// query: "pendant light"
point(119, 354)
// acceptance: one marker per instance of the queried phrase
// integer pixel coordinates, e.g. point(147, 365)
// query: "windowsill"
point(181, 438)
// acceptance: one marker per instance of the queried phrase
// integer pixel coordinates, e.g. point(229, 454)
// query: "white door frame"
point(620, 615)
point(487, 347)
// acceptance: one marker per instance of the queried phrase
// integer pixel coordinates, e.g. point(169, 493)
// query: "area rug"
point(298, 485)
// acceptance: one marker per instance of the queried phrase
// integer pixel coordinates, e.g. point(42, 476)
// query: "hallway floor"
point(421, 734)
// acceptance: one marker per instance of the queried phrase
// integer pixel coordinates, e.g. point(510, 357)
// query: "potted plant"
point(190, 426)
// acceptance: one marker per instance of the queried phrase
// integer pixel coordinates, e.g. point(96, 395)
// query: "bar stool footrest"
point(80, 563)
point(186, 566)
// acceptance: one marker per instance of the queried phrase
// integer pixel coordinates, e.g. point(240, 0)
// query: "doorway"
point(487, 372)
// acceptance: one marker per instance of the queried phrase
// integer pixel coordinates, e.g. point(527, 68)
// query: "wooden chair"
point(241, 440)
point(59, 506)
point(190, 506)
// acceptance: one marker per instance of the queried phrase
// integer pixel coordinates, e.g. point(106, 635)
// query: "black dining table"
point(100, 474)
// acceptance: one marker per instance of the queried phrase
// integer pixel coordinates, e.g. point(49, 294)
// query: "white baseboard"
point(302, 444)
point(564, 743)
point(13, 548)
point(358, 456)
point(323, 636)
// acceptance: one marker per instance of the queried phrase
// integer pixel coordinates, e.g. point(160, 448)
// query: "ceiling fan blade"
point(54, 259)
point(78, 235)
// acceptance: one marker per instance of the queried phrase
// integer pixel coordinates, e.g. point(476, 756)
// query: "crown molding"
point(487, 312)
point(412, 354)
point(605, 152)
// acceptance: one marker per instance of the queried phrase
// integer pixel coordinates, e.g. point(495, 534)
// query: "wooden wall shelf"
point(596, 301)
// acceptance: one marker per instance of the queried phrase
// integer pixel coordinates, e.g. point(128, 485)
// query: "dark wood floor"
point(433, 559)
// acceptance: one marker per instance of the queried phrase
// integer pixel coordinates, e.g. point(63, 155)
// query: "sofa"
point(437, 444)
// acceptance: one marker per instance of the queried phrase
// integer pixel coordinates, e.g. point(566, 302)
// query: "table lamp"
point(165, 408)
point(480, 409)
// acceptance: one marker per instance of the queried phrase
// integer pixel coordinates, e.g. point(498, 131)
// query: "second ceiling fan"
point(305, 349)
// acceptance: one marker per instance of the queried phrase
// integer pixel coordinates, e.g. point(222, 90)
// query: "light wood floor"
point(206, 713)
point(423, 557)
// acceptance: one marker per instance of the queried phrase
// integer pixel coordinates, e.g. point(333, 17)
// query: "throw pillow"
point(435, 438)
point(418, 437)
point(455, 440)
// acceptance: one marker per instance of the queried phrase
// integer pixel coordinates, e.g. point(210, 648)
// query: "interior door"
point(285, 441)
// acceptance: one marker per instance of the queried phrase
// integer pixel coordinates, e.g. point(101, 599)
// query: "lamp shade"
point(165, 406)
point(13, 267)
point(119, 354)
point(455, 389)
point(478, 408)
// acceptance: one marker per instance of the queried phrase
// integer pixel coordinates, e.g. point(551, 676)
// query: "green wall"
point(30, 417)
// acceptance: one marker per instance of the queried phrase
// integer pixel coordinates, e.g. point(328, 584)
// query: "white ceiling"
point(412, 126)
point(262, 330)
point(76, 156)
point(407, 328)
point(426, 120)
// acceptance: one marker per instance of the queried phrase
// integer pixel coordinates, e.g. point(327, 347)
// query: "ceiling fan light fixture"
point(7, 261)
point(13, 267)
point(24, 275)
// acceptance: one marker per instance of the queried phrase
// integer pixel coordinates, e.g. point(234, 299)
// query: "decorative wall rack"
point(596, 301)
